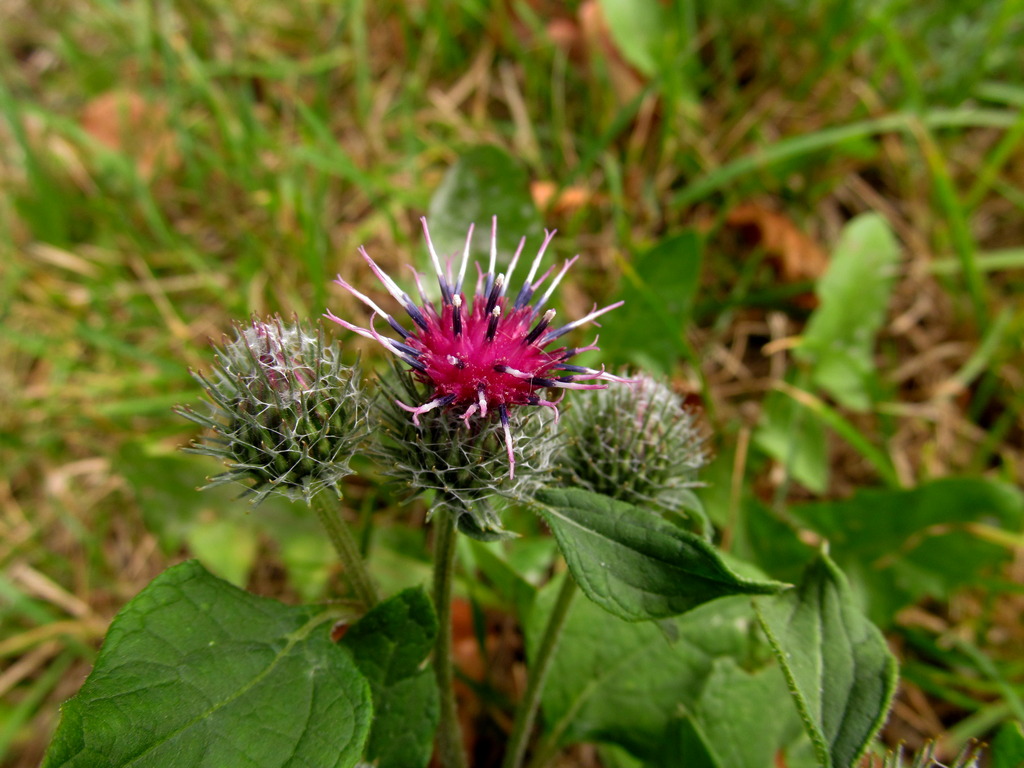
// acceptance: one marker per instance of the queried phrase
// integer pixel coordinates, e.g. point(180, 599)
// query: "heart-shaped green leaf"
point(635, 564)
point(196, 672)
point(726, 727)
point(840, 671)
point(631, 683)
point(390, 644)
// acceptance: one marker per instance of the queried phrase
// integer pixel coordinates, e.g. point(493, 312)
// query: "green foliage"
point(837, 351)
point(625, 682)
point(840, 671)
point(195, 671)
point(839, 342)
point(790, 434)
point(216, 529)
point(718, 730)
point(658, 289)
point(897, 545)
point(293, 134)
point(390, 645)
point(638, 27)
point(633, 563)
point(484, 182)
point(506, 580)
point(1008, 747)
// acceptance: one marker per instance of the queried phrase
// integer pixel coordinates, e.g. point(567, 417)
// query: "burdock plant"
point(195, 671)
point(286, 416)
point(472, 366)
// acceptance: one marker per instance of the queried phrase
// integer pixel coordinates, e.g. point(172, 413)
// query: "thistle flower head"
point(638, 444)
point(285, 415)
point(463, 464)
point(485, 356)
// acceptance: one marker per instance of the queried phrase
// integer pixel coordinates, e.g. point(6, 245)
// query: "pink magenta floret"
point(489, 356)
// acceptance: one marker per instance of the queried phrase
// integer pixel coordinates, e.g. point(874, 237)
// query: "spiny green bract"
point(285, 414)
point(968, 757)
point(637, 444)
point(463, 463)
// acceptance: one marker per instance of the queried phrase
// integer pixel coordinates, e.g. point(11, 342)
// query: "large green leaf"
point(898, 544)
point(627, 683)
point(485, 181)
point(390, 644)
point(658, 290)
point(841, 673)
point(195, 672)
point(727, 727)
point(635, 564)
point(839, 340)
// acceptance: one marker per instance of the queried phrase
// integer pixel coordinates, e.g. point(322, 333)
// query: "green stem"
point(327, 509)
point(449, 735)
point(541, 664)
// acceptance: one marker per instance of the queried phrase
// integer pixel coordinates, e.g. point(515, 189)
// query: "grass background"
point(167, 168)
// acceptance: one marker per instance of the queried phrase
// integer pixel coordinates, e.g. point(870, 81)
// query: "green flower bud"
point(464, 461)
point(285, 415)
point(637, 444)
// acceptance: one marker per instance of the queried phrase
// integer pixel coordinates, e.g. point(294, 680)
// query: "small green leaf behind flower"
point(1008, 746)
point(658, 287)
point(635, 564)
point(485, 181)
point(839, 341)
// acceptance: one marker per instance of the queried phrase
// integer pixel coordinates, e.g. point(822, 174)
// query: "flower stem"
point(327, 509)
point(527, 711)
point(449, 735)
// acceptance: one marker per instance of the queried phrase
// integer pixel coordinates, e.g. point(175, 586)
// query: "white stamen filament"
point(494, 246)
point(552, 335)
point(512, 266)
point(430, 247)
point(465, 259)
point(548, 236)
point(554, 283)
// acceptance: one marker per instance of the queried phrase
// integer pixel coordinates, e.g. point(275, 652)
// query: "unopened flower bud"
point(285, 414)
point(462, 460)
point(637, 444)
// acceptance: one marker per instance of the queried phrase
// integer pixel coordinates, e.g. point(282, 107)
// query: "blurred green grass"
point(170, 167)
